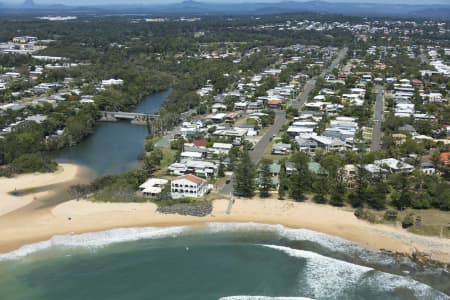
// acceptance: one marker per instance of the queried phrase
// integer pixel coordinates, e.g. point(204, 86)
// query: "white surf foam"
point(390, 282)
point(328, 278)
point(327, 241)
point(325, 277)
point(263, 298)
point(96, 239)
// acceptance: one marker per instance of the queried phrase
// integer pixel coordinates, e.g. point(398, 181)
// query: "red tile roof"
point(274, 102)
point(192, 178)
point(445, 158)
point(200, 143)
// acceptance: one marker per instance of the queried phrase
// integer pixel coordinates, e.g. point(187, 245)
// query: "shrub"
point(320, 198)
point(365, 214)
point(408, 221)
point(33, 162)
point(390, 215)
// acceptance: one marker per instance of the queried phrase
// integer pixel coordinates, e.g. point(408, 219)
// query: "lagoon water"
point(114, 146)
point(214, 261)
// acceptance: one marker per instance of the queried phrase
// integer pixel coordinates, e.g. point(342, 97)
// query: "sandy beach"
point(66, 173)
point(25, 227)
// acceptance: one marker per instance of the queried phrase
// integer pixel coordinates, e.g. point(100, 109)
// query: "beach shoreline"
point(76, 217)
point(65, 175)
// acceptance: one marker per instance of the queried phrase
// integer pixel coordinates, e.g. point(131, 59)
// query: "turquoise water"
point(114, 146)
point(214, 261)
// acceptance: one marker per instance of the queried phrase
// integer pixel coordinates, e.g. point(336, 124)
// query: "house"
point(188, 186)
point(393, 165)
point(218, 118)
point(275, 169)
point(313, 167)
point(189, 129)
point(444, 158)
point(374, 169)
point(200, 143)
point(404, 110)
point(294, 131)
point(339, 133)
point(432, 97)
point(329, 144)
point(12, 106)
point(315, 106)
point(256, 105)
point(24, 39)
point(198, 167)
point(221, 148)
point(111, 82)
point(177, 169)
point(218, 107)
point(350, 172)
point(408, 129)
point(274, 103)
point(193, 152)
point(399, 138)
point(319, 98)
point(306, 145)
point(241, 105)
point(191, 155)
point(236, 133)
point(427, 166)
point(281, 148)
point(152, 187)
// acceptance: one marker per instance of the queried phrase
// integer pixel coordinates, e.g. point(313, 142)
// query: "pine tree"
point(300, 180)
point(221, 171)
point(265, 178)
point(283, 184)
point(338, 190)
point(244, 176)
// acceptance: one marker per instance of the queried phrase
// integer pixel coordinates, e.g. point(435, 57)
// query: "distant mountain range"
point(429, 11)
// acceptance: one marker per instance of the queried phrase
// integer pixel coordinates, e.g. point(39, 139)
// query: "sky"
point(78, 2)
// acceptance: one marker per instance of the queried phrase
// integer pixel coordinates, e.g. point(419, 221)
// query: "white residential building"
point(188, 186)
point(394, 165)
point(152, 187)
point(221, 148)
point(198, 167)
point(110, 82)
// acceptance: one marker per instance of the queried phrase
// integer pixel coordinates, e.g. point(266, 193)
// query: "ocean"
point(224, 261)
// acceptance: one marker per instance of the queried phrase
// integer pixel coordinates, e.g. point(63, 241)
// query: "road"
point(377, 119)
point(310, 84)
point(423, 57)
point(257, 153)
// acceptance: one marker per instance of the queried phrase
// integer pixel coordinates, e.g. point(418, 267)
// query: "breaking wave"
point(263, 298)
point(329, 278)
point(96, 239)
point(329, 242)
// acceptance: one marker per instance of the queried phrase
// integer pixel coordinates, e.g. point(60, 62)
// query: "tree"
point(338, 194)
point(221, 171)
point(165, 193)
point(402, 195)
point(320, 188)
point(149, 145)
point(244, 176)
point(283, 185)
point(300, 179)
point(265, 178)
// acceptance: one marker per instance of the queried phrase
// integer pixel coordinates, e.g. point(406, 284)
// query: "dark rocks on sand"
point(197, 210)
